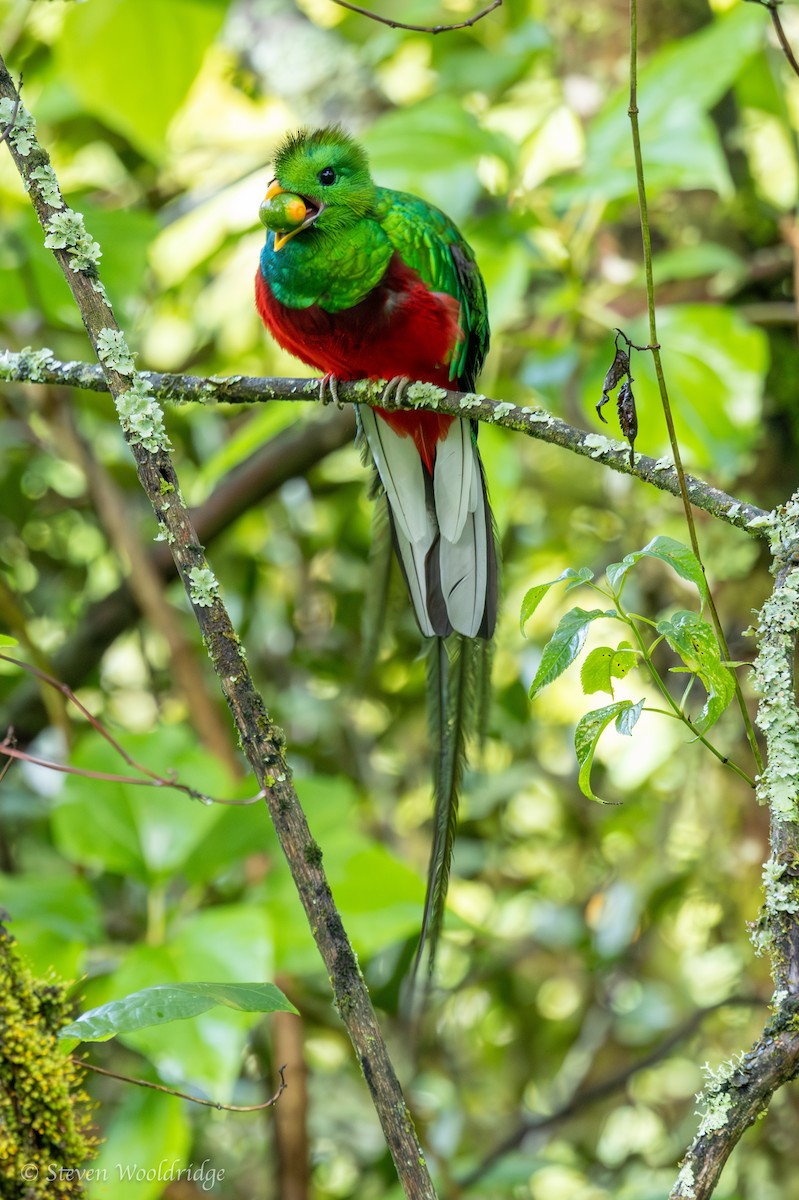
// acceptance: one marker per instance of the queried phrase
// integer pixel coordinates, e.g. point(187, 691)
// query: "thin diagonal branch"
point(600, 1090)
point(40, 367)
point(660, 375)
point(264, 745)
point(773, 7)
point(160, 1087)
point(392, 24)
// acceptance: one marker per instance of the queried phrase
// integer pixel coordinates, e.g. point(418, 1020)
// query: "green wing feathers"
point(426, 239)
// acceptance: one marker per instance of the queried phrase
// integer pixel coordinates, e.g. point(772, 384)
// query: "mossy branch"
point(739, 1092)
point(39, 366)
point(263, 743)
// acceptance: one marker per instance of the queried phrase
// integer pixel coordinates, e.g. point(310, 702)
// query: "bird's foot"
point(328, 390)
point(395, 389)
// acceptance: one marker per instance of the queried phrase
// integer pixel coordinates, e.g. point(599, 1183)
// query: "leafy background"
point(579, 937)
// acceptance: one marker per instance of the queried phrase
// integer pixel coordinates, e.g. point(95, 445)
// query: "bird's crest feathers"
point(329, 166)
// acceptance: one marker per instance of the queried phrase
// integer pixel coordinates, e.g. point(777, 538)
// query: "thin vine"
point(658, 364)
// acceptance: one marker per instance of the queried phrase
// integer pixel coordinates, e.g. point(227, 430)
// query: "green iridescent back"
point(429, 242)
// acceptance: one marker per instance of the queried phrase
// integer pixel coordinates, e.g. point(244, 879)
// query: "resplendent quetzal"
point(360, 281)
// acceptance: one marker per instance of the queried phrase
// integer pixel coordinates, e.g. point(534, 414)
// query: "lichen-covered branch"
point(778, 786)
point(39, 366)
point(141, 419)
point(739, 1091)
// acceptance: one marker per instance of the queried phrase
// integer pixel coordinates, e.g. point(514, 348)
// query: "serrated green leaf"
point(577, 578)
point(531, 601)
point(535, 595)
point(595, 671)
point(623, 661)
point(5, 640)
point(564, 646)
point(171, 1002)
point(694, 640)
point(604, 664)
point(588, 732)
point(681, 558)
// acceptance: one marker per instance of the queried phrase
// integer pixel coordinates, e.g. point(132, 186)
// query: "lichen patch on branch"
point(17, 125)
point(66, 231)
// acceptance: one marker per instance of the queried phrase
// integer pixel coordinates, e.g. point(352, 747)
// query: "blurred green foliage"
point(578, 936)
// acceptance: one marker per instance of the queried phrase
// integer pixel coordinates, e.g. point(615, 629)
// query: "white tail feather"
point(463, 575)
point(413, 556)
point(441, 527)
point(402, 475)
point(454, 477)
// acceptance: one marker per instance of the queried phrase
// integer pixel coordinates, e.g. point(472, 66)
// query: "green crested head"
point(326, 172)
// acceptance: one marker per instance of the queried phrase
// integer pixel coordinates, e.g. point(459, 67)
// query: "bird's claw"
point(395, 389)
point(329, 384)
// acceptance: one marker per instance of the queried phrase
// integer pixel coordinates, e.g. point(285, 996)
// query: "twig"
point(785, 45)
point(189, 676)
point(152, 778)
point(8, 749)
point(160, 1087)
point(392, 24)
point(141, 418)
point(599, 1090)
point(661, 378)
point(294, 451)
point(533, 421)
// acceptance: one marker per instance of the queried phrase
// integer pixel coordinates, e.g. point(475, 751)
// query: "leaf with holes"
point(589, 730)
point(604, 664)
point(695, 642)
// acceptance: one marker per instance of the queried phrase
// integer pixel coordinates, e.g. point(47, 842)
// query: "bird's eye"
point(327, 176)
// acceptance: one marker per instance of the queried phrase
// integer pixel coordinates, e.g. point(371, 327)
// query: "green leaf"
point(433, 149)
point(595, 671)
point(535, 595)
point(677, 91)
point(589, 730)
point(172, 1002)
point(163, 42)
point(628, 718)
point(604, 664)
point(668, 550)
point(623, 660)
point(564, 646)
point(695, 642)
point(5, 640)
point(152, 833)
point(226, 943)
point(56, 917)
point(142, 1126)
